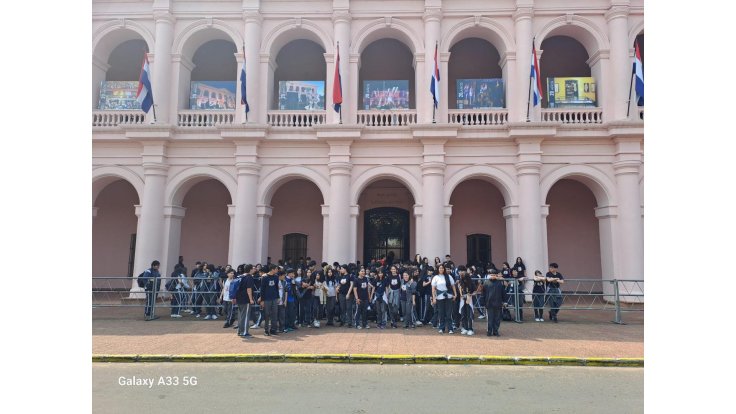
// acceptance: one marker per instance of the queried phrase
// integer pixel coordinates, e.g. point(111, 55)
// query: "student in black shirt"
point(363, 290)
point(394, 283)
point(540, 287)
point(554, 294)
point(345, 297)
point(494, 297)
point(426, 291)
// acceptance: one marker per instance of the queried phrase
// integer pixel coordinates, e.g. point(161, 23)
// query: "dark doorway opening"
point(386, 230)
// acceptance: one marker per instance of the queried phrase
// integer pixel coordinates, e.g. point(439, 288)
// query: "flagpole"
point(154, 113)
point(528, 95)
point(340, 82)
point(437, 82)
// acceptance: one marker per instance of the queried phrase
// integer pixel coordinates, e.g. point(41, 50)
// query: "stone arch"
point(503, 181)
point(579, 28)
point(635, 31)
point(178, 185)
point(113, 33)
point(103, 176)
point(387, 28)
point(598, 182)
point(484, 28)
point(201, 32)
point(295, 29)
point(269, 184)
point(389, 172)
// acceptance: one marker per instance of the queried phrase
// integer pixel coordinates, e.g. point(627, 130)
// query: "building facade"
point(546, 183)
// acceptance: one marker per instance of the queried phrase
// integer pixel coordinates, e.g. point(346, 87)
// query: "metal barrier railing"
point(617, 295)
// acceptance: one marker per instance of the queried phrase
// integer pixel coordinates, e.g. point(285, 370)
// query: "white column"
point(509, 74)
point(135, 291)
point(619, 62)
point(418, 231)
point(265, 88)
point(252, 66)
point(231, 209)
point(149, 236)
point(448, 235)
point(340, 167)
point(433, 206)
point(441, 115)
point(245, 219)
point(325, 231)
point(353, 100)
point(523, 37)
point(630, 233)
point(161, 69)
point(263, 213)
point(331, 117)
point(432, 32)
point(511, 215)
point(421, 90)
point(545, 244)
point(354, 213)
point(173, 216)
point(606, 218)
point(341, 25)
point(530, 215)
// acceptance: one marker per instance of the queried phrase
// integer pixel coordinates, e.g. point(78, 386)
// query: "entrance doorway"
point(386, 230)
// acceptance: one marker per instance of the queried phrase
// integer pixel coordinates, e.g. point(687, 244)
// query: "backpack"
point(142, 279)
point(506, 315)
point(171, 285)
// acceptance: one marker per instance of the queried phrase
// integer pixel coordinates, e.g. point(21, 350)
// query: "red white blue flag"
point(337, 84)
point(639, 73)
point(145, 92)
point(536, 78)
point(434, 86)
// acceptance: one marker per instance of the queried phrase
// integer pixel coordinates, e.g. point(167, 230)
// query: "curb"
point(380, 359)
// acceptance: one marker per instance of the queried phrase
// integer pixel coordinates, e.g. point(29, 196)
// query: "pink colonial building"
point(482, 182)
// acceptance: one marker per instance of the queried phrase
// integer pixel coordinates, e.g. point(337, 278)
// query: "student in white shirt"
point(444, 293)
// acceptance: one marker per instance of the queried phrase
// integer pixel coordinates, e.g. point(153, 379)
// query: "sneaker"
point(440, 331)
point(470, 333)
point(188, 311)
point(197, 315)
point(267, 333)
point(367, 327)
point(214, 317)
point(359, 327)
point(176, 316)
point(254, 326)
point(419, 323)
point(541, 319)
point(246, 336)
point(207, 317)
point(463, 331)
point(451, 332)
point(482, 317)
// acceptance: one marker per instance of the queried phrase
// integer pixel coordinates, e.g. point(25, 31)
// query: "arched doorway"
point(386, 232)
point(573, 234)
point(114, 229)
point(205, 228)
point(296, 225)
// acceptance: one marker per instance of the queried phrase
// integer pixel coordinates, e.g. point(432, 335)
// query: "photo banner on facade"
point(480, 93)
point(118, 96)
point(301, 95)
point(212, 95)
point(386, 94)
point(571, 92)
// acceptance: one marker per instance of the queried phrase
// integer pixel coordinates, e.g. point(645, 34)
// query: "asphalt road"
point(348, 388)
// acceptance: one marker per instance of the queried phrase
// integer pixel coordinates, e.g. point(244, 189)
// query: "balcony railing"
point(478, 117)
point(573, 115)
point(197, 119)
point(387, 118)
point(115, 118)
point(296, 119)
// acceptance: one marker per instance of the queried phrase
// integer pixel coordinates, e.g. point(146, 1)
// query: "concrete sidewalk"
point(579, 334)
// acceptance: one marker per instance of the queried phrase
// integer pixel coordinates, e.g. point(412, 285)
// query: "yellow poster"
point(571, 92)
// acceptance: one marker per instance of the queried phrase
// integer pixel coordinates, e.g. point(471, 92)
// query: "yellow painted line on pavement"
point(377, 359)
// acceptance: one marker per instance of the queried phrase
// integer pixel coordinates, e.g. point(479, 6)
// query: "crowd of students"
point(284, 297)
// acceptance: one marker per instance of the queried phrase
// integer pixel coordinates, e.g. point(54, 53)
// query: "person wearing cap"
point(494, 297)
point(345, 297)
point(554, 294)
point(269, 300)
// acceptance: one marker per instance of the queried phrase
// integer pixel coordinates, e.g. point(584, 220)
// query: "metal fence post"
point(155, 297)
point(517, 319)
point(618, 302)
